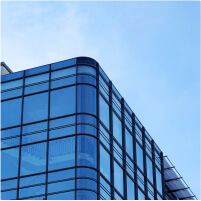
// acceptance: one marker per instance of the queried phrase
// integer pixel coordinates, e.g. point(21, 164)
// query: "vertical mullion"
point(76, 130)
point(98, 133)
point(20, 145)
point(163, 179)
point(154, 169)
point(48, 123)
point(144, 161)
point(135, 156)
point(111, 141)
point(124, 149)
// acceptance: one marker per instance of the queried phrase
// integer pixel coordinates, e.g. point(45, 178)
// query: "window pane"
point(11, 94)
point(86, 172)
point(85, 118)
point(129, 143)
point(105, 189)
point(62, 196)
point(141, 195)
point(35, 107)
point(11, 112)
point(86, 183)
point(87, 151)
point(117, 128)
point(159, 181)
point(149, 169)
point(63, 72)
point(130, 189)
point(105, 163)
point(62, 102)
point(62, 64)
point(8, 184)
point(118, 178)
point(62, 153)
point(33, 159)
point(140, 157)
point(9, 158)
point(104, 111)
point(11, 84)
point(86, 79)
point(86, 99)
point(86, 195)
point(63, 82)
point(8, 195)
point(31, 191)
point(27, 181)
point(36, 78)
point(87, 69)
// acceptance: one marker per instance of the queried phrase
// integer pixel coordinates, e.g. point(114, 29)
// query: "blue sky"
point(150, 50)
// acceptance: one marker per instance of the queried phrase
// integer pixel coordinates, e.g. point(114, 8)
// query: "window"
point(85, 118)
point(62, 196)
point(63, 72)
point(62, 64)
point(86, 129)
point(35, 107)
point(5, 185)
point(61, 153)
point(159, 181)
point(8, 195)
point(140, 162)
point(87, 69)
point(33, 159)
point(105, 163)
point(87, 184)
point(62, 102)
point(11, 112)
point(9, 158)
point(149, 169)
point(130, 189)
point(86, 151)
point(86, 100)
point(86, 172)
point(86, 79)
point(129, 143)
point(105, 189)
point(118, 178)
point(104, 111)
point(61, 186)
point(27, 181)
point(86, 195)
point(141, 195)
point(117, 128)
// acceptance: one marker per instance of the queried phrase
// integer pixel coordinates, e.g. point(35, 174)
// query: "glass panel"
point(11, 94)
point(104, 88)
point(31, 191)
point(103, 74)
point(62, 196)
point(11, 112)
point(9, 158)
point(118, 178)
point(140, 162)
point(10, 132)
point(86, 195)
point(8, 195)
point(86, 129)
point(117, 196)
point(37, 70)
point(129, 143)
point(27, 181)
point(105, 163)
point(86, 183)
point(33, 159)
point(63, 72)
point(61, 153)
point(130, 189)
point(149, 169)
point(35, 107)
point(118, 152)
point(86, 172)
point(105, 189)
point(12, 76)
point(8, 184)
point(11, 84)
point(117, 129)
point(104, 112)
point(10, 142)
point(62, 64)
point(87, 151)
point(36, 88)
point(141, 195)
point(86, 99)
point(130, 167)
point(64, 174)
point(62, 102)
point(85, 118)
point(36, 78)
point(61, 186)
point(159, 181)
point(63, 82)
point(104, 137)
point(87, 69)
point(86, 79)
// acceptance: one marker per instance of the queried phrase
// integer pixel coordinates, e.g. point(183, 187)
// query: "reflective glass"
point(86, 79)
point(32, 180)
point(33, 159)
point(8, 184)
point(104, 137)
point(8, 195)
point(11, 112)
point(11, 94)
point(11, 84)
point(86, 129)
point(10, 142)
point(105, 189)
point(36, 78)
point(86, 183)
point(129, 143)
point(117, 128)
point(139, 157)
point(9, 158)
point(141, 195)
point(31, 191)
point(37, 70)
point(149, 169)
point(12, 76)
point(86, 195)
point(118, 178)
point(86, 172)
point(35, 107)
point(10, 132)
point(61, 153)
point(62, 196)
point(62, 64)
point(36, 88)
point(87, 69)
point(62, 102)
point(105, 163)
point(85, 118)
point(159, 181)
point(63, 82)
point(63, 72)
point(130, 189)
point(86, 151)
point(104, 111)
point(86, 100)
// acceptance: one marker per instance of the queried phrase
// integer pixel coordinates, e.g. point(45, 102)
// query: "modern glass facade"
point(67, 133)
